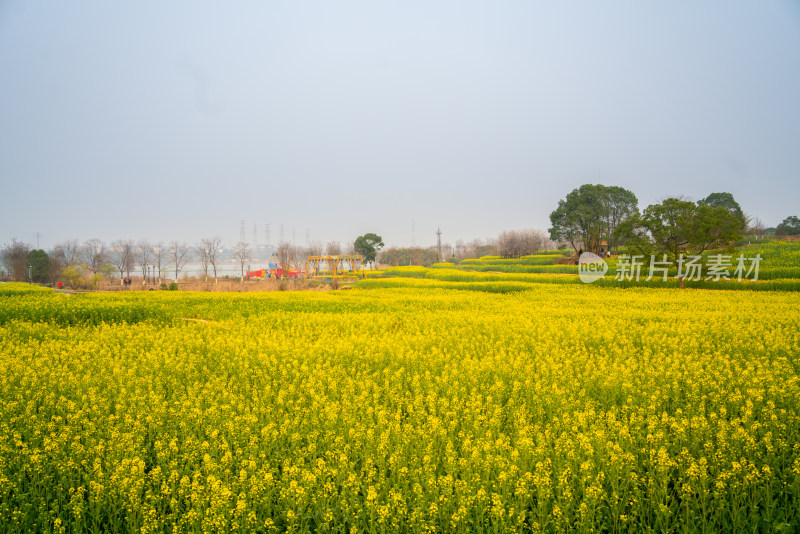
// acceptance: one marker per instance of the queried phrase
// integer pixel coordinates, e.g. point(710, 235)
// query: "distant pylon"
point(439, 242)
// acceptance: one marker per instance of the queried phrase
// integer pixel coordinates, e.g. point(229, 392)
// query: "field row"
point(560, 408)
point(504, 282)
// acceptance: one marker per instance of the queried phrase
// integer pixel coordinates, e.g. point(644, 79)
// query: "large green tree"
point(725, 200)
point(674, 227)
point(368, 246)
point(789, 226)
point(590, 214)
point(621, 205)
point(39, 262)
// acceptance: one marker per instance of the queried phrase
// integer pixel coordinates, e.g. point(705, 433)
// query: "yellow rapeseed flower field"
point(561, 408)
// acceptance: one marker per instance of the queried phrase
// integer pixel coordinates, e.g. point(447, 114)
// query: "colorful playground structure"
point(272, 271)
point(341, 269)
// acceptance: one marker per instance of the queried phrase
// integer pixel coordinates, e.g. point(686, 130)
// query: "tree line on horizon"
point(595, 218)
point(509, 244)
point(85, 264)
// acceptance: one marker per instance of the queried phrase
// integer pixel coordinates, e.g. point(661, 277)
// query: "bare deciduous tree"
point(518, 243)
point(160, 255)
point(15, 259)
point(416, 254)
point(333, 248)
point(121, 256)
point(314, 248)
point(130, 265)
point(212, 246)
point(480, 248)
point(297, 258)
point(179, 253)
point(203, 256)
point(755, 227)
point(285, 254)
point(68, 252)
point(55, 265)
point(241, 253)
point(408, 256)
point(93, 254)
point(473, 249)
point(144, 255)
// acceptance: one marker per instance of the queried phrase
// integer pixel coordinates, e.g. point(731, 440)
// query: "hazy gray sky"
point(178, 120)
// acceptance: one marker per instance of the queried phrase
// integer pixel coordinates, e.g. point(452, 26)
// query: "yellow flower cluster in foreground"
point(561, 408)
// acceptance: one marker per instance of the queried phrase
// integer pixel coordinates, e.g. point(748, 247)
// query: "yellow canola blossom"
point(557, 409)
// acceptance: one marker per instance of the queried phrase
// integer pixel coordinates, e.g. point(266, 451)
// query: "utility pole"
point(255, 240)
point(37, 240)
point(413, 241)
point(439, 242)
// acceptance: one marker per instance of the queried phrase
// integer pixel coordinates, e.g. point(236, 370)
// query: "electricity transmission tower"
point(439, 243)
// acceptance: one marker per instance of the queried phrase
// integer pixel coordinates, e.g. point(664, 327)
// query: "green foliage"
point(724, 200)
point(39, 262)
point(107, 270)
point(368, 246)
point(590, 214)
point(14, 289)
point(46, 306)
point(173, 286)
point(676, 227)
point(578, 218)
point(72, 277)
point(789, 226)
point(408, 256)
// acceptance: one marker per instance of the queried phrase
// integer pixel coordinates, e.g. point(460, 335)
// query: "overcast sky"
point(178, 120)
